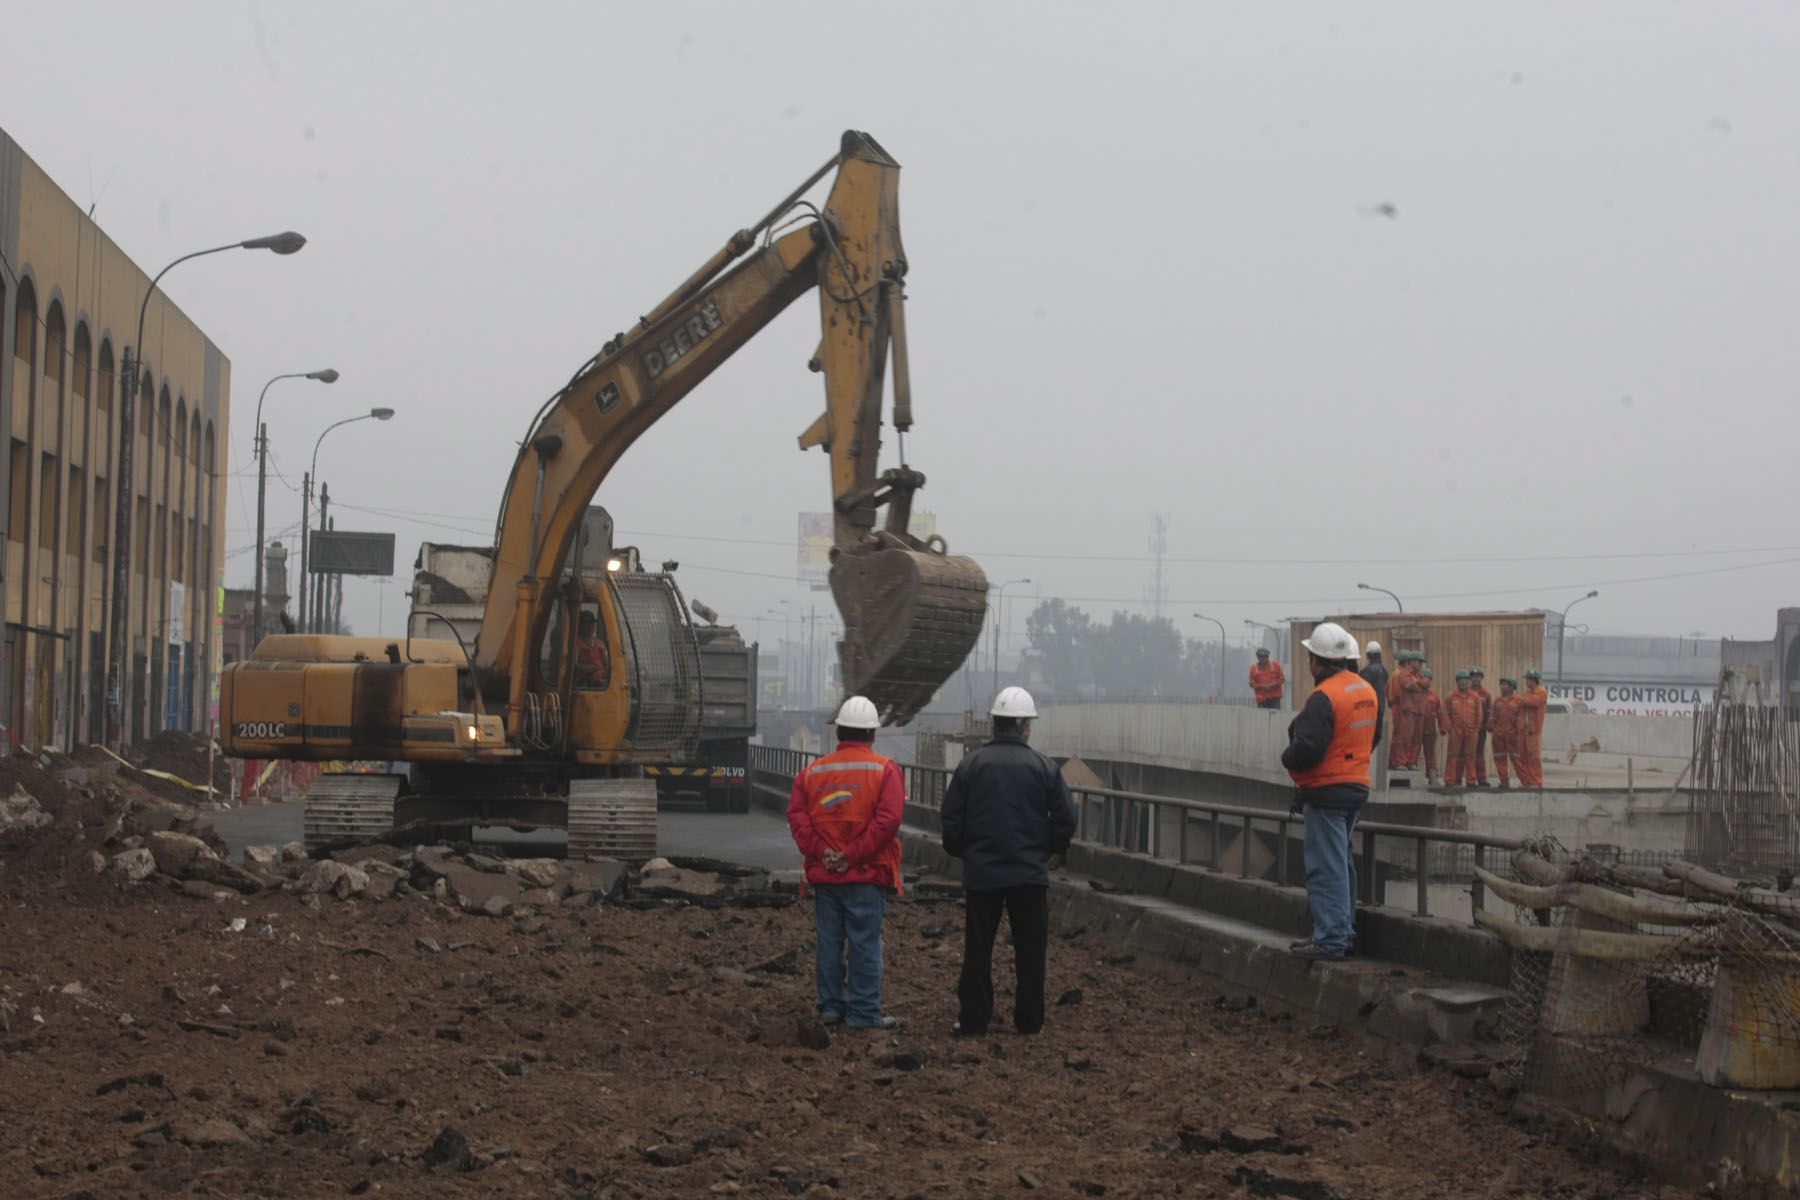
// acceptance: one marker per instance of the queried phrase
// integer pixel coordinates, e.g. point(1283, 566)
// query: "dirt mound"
point(183, 755)
point(63, 819)
point(48, 827)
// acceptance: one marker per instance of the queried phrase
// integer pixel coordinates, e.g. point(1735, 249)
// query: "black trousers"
point(1027, 911)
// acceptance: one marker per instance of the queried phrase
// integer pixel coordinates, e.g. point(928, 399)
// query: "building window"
point(77, 512)
point(19, 503)
point(47, 505)
point(103, 517)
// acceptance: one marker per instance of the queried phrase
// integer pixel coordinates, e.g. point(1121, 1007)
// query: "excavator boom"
point(911, 611)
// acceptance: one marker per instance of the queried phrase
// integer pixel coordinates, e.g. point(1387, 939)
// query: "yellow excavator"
point(585, 666)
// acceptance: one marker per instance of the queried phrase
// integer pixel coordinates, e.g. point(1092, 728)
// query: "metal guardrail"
point(1137, 822)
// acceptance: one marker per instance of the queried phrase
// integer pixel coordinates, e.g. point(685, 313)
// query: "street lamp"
point(1221, 625)
point(132, 365)
point(376, 414)
point(999, 620)
point(1562, 625)
point(1398, 607)
point(260, 444)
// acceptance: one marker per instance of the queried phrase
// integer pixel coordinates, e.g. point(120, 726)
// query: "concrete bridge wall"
point(1247, 742)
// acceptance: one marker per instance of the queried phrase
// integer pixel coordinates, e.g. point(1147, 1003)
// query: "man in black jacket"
point(1006, 812)
point(1376, 672)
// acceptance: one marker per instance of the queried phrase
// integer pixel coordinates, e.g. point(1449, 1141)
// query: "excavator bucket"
point(911, 616)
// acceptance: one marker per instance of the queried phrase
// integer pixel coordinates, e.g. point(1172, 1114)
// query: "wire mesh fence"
point(1618, 967)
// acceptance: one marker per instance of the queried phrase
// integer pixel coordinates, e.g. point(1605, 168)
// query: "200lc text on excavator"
point(585, 667)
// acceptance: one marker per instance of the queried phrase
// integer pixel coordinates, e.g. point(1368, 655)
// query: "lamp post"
point(1562, 625)
point(260, 443)
point(999, 621)
point(1398, 607)
point(1221, 625)
point(375, 414)
point(132, 364)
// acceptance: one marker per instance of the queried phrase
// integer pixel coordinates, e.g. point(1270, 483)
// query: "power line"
point(481, 526)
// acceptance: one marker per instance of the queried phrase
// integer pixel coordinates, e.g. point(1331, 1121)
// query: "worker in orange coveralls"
point(1477, 681)
point(1402, 728)
point(1463, 711)
point(1533, 702)
point(1431, 723)
point(1267, 680)
point(1504, 723)
point(1415, 688)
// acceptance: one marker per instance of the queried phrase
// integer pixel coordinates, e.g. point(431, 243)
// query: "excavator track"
point(612, 818)
point(910, 619)
point(349, 809)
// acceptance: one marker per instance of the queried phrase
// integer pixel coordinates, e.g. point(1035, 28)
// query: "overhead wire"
point(1194, 560)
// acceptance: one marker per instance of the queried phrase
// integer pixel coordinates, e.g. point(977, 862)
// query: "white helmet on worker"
point(1014, 702)
point(1330, 641)
point(1373, 648)
point(858, 712)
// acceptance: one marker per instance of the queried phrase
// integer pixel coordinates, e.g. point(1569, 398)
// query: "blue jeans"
point(849, 914)
point(1331, 877)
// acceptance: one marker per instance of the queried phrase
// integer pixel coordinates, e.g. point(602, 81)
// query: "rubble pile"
point(66, 822)
point(89, 822)
point(485, 885)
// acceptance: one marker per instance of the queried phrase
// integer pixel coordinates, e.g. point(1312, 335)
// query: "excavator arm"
point(911, 611)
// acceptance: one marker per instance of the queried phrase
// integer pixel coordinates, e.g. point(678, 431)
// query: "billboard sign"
point(1632, 699)
point(337, 552)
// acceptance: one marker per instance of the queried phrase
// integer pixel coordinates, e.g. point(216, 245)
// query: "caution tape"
point(192, 787)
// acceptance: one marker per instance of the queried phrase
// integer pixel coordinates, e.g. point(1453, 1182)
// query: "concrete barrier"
point(1247, 742)
point(1635, 737)
point(1216, 738)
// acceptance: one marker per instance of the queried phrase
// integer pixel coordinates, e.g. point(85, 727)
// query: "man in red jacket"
point(845, 813)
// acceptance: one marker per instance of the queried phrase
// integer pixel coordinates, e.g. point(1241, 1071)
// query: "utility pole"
point(317, 585)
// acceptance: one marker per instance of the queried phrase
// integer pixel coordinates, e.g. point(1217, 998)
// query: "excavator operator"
point(593, 665)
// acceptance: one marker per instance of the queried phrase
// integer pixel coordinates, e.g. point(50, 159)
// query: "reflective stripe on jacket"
point(852, 801)
point(1355, 717)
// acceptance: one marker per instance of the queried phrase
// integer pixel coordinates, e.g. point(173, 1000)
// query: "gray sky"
point(1152, 270)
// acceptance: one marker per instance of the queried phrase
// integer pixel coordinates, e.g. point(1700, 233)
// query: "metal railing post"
point(1368, 873)
point(1478, 893)
point(1130, 820)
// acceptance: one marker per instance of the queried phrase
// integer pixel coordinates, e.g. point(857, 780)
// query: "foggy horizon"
point(1485, 306)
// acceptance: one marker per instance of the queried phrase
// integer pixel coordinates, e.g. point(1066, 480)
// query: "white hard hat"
point(1374, 647)
point(859, 713)
point(1013, 702)
point(1332, 641)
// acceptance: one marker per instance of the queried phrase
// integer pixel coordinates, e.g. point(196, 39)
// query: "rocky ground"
point(440, 1022)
